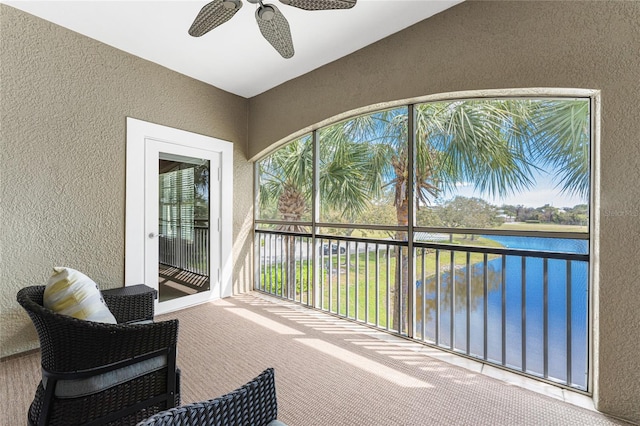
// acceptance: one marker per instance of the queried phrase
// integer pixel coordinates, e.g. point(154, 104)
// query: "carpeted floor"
point(328, 372)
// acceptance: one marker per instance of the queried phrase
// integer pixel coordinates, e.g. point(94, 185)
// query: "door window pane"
point(183, 216)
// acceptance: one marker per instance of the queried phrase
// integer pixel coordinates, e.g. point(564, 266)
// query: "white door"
point(177, 242)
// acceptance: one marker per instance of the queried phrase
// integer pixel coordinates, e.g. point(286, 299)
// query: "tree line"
point(471, 212)
point(576, 215)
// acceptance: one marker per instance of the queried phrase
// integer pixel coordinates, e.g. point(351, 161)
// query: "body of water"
point(567, 308)
point(560, 245)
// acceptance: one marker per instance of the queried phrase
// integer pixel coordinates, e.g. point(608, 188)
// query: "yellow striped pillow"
point(72, 293)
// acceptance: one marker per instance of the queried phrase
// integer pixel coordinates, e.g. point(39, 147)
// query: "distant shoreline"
point(525, 226)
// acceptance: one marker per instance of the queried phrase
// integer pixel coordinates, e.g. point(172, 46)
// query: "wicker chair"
point(253, 404)
point(76, 351)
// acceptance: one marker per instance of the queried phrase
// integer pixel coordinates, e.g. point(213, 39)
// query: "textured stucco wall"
point(497, 45)
point(64, 103)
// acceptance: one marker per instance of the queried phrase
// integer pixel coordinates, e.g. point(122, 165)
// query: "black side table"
point(131, 290)
point(136, 302)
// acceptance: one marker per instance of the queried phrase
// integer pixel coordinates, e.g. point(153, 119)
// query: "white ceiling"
point(234, 57)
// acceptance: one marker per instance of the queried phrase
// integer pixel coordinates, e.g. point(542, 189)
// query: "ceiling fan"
point(273, 25)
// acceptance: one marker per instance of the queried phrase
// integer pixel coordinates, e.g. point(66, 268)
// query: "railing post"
point(315, 216)
point(411, 270)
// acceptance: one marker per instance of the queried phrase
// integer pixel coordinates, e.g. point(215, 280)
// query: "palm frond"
point(472, 145)
point(562, 140)
point(289, 167)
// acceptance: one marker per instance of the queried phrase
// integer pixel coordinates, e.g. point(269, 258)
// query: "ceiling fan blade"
point(275, 29)
point(213, 15)
point(320, 4)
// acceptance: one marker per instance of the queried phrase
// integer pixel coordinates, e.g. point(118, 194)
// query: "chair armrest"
point(252, 404)
point(133, 303)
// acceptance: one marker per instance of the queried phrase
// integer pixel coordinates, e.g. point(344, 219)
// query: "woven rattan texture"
point(69, 344)
point(253, 404)
point(130, 303)
point(83, 410)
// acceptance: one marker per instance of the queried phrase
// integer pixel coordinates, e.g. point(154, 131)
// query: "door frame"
point(138, 132)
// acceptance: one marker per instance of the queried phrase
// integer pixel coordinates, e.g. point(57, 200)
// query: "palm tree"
point(286, 177)
point(345, 179)
point(488, 143)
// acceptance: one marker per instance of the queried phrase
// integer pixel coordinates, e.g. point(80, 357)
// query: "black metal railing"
point(186, 249)
point(523, 310)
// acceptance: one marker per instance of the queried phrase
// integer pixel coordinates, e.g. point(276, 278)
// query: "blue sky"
point(543, 192)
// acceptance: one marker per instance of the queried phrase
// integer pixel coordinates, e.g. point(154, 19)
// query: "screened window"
point(516, 164)
point(363, 168)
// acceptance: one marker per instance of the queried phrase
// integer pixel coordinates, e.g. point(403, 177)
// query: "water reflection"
point(510, 283)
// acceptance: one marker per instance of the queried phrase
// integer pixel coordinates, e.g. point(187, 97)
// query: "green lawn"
point(351, 289)
point(338, 286)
